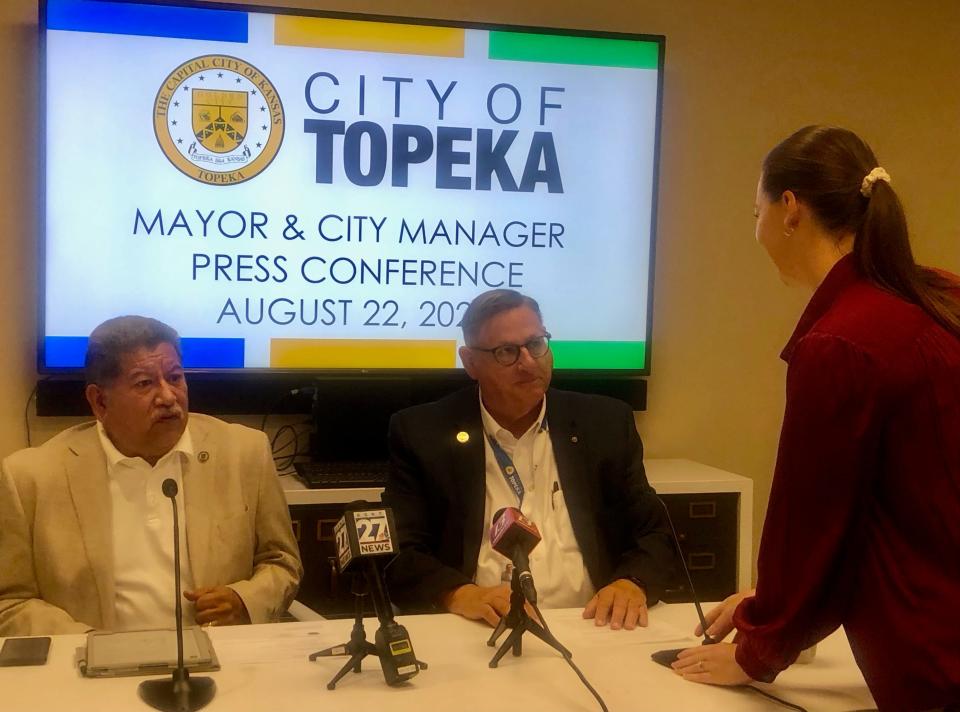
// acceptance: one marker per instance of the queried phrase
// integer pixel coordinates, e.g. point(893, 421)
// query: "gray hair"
point(121, 335)
point(487, 305)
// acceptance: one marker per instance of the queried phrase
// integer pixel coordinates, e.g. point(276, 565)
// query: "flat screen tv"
point(304, 191)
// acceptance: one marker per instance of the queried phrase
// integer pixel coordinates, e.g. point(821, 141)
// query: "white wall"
point(740, 75)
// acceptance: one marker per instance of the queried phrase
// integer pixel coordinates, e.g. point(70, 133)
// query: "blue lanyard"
point(507, 468)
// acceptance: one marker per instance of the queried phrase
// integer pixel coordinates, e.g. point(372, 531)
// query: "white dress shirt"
point(556, 563)
point(142, 520)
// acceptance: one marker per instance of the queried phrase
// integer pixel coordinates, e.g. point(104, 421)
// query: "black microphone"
point(364, 536)
point(667, 657)
point(515, 536)
point(181, 693)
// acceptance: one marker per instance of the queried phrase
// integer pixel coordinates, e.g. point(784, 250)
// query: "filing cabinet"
point(706, 525)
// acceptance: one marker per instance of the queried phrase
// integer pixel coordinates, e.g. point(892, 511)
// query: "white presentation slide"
point(310, 192)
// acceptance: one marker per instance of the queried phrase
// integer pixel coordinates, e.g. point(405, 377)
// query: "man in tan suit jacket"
point(56, 541)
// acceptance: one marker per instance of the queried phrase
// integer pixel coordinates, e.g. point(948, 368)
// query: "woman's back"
point(862, 527)
point(901, 618)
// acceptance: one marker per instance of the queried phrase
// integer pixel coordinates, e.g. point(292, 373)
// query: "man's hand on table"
point(478, 602)
point(622, 603)
point(218, 605)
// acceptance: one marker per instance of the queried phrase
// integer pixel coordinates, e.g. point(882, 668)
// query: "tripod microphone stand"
point(358, 647)
point(519, 622)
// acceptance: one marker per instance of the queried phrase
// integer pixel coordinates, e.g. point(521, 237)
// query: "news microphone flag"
point(363, 534)
point(511, 530)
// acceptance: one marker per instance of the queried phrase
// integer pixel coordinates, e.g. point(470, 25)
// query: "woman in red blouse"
point(863, 523)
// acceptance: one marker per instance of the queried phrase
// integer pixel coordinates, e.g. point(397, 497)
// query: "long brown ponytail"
point(825, 166)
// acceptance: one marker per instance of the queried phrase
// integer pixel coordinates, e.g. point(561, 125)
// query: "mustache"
point(173, 411)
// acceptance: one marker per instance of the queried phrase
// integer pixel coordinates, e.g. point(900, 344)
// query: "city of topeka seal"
point(218, 119)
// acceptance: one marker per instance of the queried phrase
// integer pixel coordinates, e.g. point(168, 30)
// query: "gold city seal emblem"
point(218, 119)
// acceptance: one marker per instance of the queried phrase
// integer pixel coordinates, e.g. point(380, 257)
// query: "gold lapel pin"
point(463, 436)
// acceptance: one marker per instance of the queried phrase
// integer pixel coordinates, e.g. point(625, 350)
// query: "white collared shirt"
point(142, 526)
point(556, 563)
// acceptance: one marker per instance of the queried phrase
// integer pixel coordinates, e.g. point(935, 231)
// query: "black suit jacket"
point(437, 492)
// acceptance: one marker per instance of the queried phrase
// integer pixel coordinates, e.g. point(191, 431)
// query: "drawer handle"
point(703, 510)
point(701, 561)
point(329, 524)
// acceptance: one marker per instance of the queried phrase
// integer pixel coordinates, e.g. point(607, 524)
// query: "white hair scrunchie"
point(878, 173)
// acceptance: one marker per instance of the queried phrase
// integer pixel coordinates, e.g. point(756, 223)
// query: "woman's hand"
point(720, 618)
point(712, 664)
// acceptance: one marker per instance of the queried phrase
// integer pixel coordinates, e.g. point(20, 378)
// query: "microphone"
point(667, 657)
point(364, 536)
point(181, 693)
point(170, 490)
point(515, 536)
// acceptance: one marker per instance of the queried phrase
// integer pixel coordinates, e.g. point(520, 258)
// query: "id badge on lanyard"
point(507, 468)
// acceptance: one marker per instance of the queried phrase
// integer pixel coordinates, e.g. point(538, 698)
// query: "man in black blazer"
point(446, 479)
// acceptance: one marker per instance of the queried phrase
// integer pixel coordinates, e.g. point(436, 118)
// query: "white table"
point(265, 667)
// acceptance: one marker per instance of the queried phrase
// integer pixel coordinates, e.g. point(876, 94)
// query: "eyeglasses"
point(509, 354)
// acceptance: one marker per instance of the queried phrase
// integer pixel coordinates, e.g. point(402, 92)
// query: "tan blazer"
point(56, 545)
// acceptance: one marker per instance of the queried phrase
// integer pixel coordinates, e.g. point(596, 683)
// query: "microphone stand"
point(397, 659)
point(181, 693)
point(519, 622)
point(667, 657)
point(392, 645)
point(358, 647)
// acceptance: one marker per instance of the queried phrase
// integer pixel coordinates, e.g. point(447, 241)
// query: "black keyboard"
point(341, 474)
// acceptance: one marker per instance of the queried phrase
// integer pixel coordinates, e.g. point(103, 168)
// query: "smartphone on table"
point(24, 651)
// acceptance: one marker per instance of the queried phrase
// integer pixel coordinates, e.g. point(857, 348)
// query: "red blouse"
point(863, 523)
